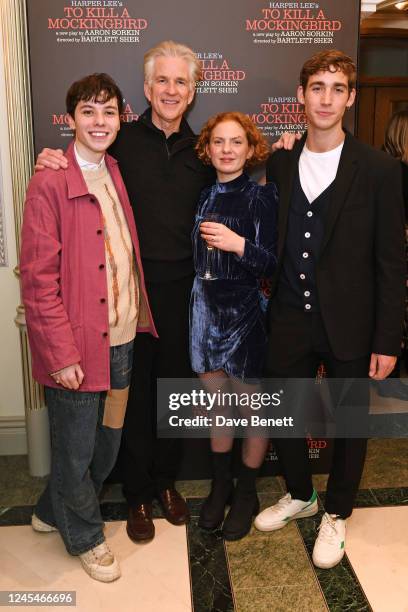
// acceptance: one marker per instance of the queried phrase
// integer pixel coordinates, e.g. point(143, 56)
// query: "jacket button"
point(101, 266)
point(102, 300)
point(105, 334)
point(99, 232)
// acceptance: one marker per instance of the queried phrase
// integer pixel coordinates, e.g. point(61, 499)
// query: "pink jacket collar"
point(73, 175)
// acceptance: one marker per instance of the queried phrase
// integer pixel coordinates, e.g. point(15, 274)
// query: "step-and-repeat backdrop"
point(251, 53)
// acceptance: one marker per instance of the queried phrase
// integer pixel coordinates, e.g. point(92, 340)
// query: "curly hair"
point(396, 136)
point(254, 137)
point(329, 61)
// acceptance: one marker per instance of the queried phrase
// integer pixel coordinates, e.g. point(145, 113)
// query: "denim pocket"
point(121, 360)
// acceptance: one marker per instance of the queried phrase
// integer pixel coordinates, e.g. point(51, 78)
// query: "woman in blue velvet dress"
point(234, 240)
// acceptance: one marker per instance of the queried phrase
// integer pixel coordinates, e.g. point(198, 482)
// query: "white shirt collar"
point(331, 153)
point(86, 165)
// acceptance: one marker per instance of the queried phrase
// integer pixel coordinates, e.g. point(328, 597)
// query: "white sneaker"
point(329, 546)
point(38, 525)
point(287, 509)
point(100, 563)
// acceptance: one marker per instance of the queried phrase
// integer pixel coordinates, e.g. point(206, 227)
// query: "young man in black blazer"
point(338, 295)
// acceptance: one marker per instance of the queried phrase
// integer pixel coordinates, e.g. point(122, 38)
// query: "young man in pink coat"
point(85, 298)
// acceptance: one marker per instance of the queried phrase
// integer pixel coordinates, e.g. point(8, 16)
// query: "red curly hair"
point(254, 137)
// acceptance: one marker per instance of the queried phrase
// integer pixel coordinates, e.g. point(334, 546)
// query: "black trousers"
point(298, 344)
point(149, 464)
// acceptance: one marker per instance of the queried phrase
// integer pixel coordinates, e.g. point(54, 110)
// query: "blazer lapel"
point(344, 179)
point(285, 192)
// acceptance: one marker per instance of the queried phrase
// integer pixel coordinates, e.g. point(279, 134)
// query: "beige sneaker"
point(38, 525)
point(100, 563)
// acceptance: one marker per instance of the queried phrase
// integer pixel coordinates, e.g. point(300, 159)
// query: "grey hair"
point(169, 48)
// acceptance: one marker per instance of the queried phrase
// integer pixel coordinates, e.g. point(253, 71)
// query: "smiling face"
point(229, 150)
point(326, 98)
point(96, 125)
point(169, 91)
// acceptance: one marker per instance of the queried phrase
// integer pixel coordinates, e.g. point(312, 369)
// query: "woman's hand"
point(221, 237)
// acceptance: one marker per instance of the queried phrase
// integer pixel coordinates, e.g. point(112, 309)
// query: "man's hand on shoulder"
point(51, 158)
point(381, 366)
point(286, 141)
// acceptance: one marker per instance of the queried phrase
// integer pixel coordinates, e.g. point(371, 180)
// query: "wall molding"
point(13, 436)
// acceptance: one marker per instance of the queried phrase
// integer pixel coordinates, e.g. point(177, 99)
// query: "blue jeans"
point(83, 453)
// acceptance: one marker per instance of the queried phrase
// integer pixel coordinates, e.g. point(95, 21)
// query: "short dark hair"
point(98, 86)
point(329, 61)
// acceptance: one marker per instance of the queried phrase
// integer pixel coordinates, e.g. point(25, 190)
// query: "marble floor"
point(185, 569)
point(154, 577)
point(377, 545)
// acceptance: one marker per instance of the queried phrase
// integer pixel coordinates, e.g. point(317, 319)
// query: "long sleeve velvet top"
point(250, 210)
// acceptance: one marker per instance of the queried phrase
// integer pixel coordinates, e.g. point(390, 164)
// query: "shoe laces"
point(101, 554)
point(283, 503)
point(327, 529)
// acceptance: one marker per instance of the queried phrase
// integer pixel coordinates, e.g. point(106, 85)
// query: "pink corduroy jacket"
point(63, 275)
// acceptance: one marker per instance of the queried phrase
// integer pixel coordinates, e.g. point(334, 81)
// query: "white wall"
point(11, 379)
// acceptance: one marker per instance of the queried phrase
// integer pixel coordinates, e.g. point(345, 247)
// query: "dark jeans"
point(83, 452)
point(304, 335)
point(149, 464)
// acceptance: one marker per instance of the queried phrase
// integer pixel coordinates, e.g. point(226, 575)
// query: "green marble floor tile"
point(268, 484)
point(211, 589)
point(17, 487)
point(193, 488)
point(267, 499)
point(305, 598)
point(201, 488)
point(397, 496)
point(386, 464)
point(263, 560)
point(342, 590)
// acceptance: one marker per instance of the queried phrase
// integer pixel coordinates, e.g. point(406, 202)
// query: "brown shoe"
point(174, 506)
point(140, 526)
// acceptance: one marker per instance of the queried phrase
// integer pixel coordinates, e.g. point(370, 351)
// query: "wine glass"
point(209, 274)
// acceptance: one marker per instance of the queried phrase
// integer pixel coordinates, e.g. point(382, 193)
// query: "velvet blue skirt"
point(227, 328)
